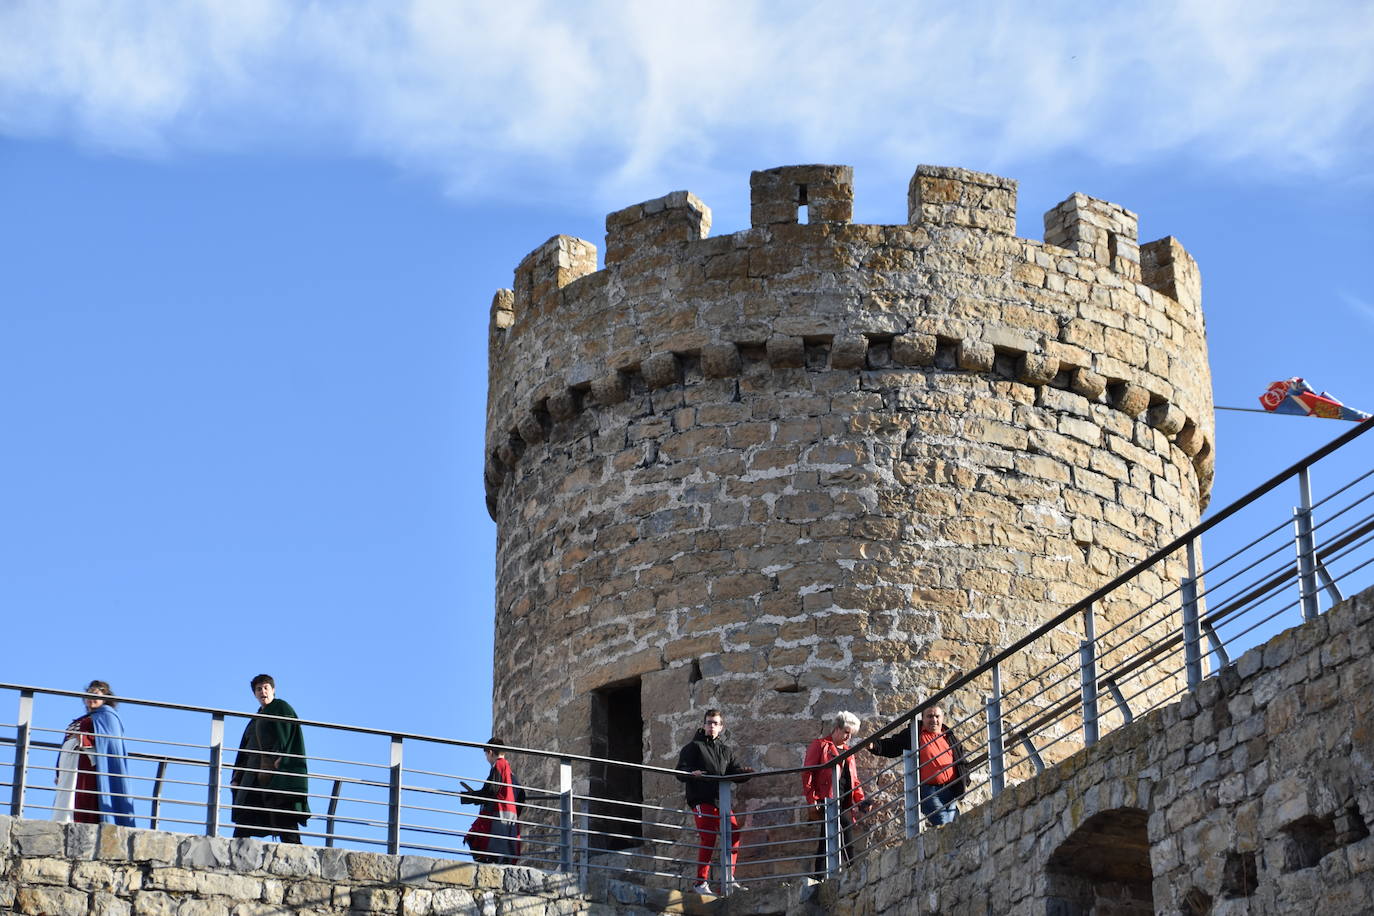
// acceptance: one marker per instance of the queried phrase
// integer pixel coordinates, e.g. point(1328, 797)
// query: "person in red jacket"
point(818, 785)
point(940, 756)
point(495, 833)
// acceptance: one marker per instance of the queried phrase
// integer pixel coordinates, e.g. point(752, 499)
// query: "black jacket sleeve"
point(893, 745)
point(961, 773)
point(687, 761)
point(738, 770)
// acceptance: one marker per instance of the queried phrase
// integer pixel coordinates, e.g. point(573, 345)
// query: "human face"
point(93, 703)
point(842, 733)
point(265, 693)
point(713, 726)
point(933, 720)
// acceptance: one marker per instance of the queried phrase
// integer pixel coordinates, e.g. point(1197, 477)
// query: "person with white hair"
point(818, 785)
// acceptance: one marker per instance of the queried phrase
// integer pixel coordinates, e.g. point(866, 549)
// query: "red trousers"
point(708, 826)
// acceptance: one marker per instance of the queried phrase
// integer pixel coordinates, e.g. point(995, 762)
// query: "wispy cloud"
point(491, 96)
point(1362, 307)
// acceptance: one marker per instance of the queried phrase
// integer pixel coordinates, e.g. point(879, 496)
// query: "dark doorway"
point(1103, 867)
point(617, 792)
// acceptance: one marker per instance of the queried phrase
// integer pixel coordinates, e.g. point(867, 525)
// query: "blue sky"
point(249, 247)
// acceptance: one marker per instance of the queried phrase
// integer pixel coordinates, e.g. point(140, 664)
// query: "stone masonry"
point(1255, 795)
point(814, 465)
point(49, 869)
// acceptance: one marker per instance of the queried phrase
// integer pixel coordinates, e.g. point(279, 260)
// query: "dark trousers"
point(816, 815)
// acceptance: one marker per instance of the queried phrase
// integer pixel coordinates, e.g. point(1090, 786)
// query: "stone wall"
point(1254, 795)
point(814, 465)
point(49, 869)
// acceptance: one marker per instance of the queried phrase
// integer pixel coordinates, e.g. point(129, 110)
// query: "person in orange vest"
point(940, 756)
point(817, 785)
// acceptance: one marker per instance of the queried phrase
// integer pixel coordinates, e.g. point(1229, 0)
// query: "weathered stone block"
point(1036, 369)
point(43, 871)
point(786, 352)
point(294, 861)
point(661, 370)
point(1130, 399)
point(849, 352)
point(720, 360)
point(562, 405)
point(376, 899)
point(154, 903)
point(609, 389)
point(38, 838)
point(51, 901)
point(975, 355)
point(374, 867)
point(153, 846)
point(204, 852)
point(1167, 418)
point(913, 349)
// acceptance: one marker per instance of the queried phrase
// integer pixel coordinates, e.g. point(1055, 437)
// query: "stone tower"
point(814, 465)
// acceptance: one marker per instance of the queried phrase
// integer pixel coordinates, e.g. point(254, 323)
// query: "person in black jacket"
point(940, 759)
point(709, 754)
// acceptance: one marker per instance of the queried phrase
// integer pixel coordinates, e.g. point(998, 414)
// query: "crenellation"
point(941, 196)
point(778, 196)
point(1100, 231)
point(549, 268)
point(1168, 268)
point(650, 227)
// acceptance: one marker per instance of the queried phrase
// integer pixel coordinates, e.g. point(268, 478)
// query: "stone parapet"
point(49, 869)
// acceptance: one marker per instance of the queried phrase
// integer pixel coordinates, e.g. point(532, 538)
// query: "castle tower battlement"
point(813, 464)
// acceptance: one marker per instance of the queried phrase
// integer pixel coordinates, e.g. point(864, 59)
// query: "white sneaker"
point(701, 887)
point(734, 887)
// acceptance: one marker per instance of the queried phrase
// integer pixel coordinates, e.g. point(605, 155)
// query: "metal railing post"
point(565, 815)
point(1192, 632)
point(996, 748)
point(393, 803)
point(21, 752)
point(156, 806)
point(332, 812)
point(725, 836)
point(911, 783)
point(584, 858)
point(832, 823)
point(215, 778)
point(1087, 676)
point(1307, 548)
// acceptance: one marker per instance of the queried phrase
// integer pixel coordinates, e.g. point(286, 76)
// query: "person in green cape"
point(270, 785)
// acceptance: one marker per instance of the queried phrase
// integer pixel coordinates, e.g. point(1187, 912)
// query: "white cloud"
point(1363, 308)
point(528, 96)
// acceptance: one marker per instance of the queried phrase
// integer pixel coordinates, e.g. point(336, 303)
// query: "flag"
point(1295, 396)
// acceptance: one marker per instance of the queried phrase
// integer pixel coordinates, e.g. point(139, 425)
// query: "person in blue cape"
point(92, 778)
point(271, 780)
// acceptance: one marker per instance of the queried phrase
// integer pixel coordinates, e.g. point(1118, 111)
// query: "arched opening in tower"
point(1103, 867)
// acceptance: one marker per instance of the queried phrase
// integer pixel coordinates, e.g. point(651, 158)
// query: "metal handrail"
point(1139, 662)
point(1103, 591)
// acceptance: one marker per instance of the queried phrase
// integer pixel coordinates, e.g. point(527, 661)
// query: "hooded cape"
point(285, 741)
point(111, 776)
